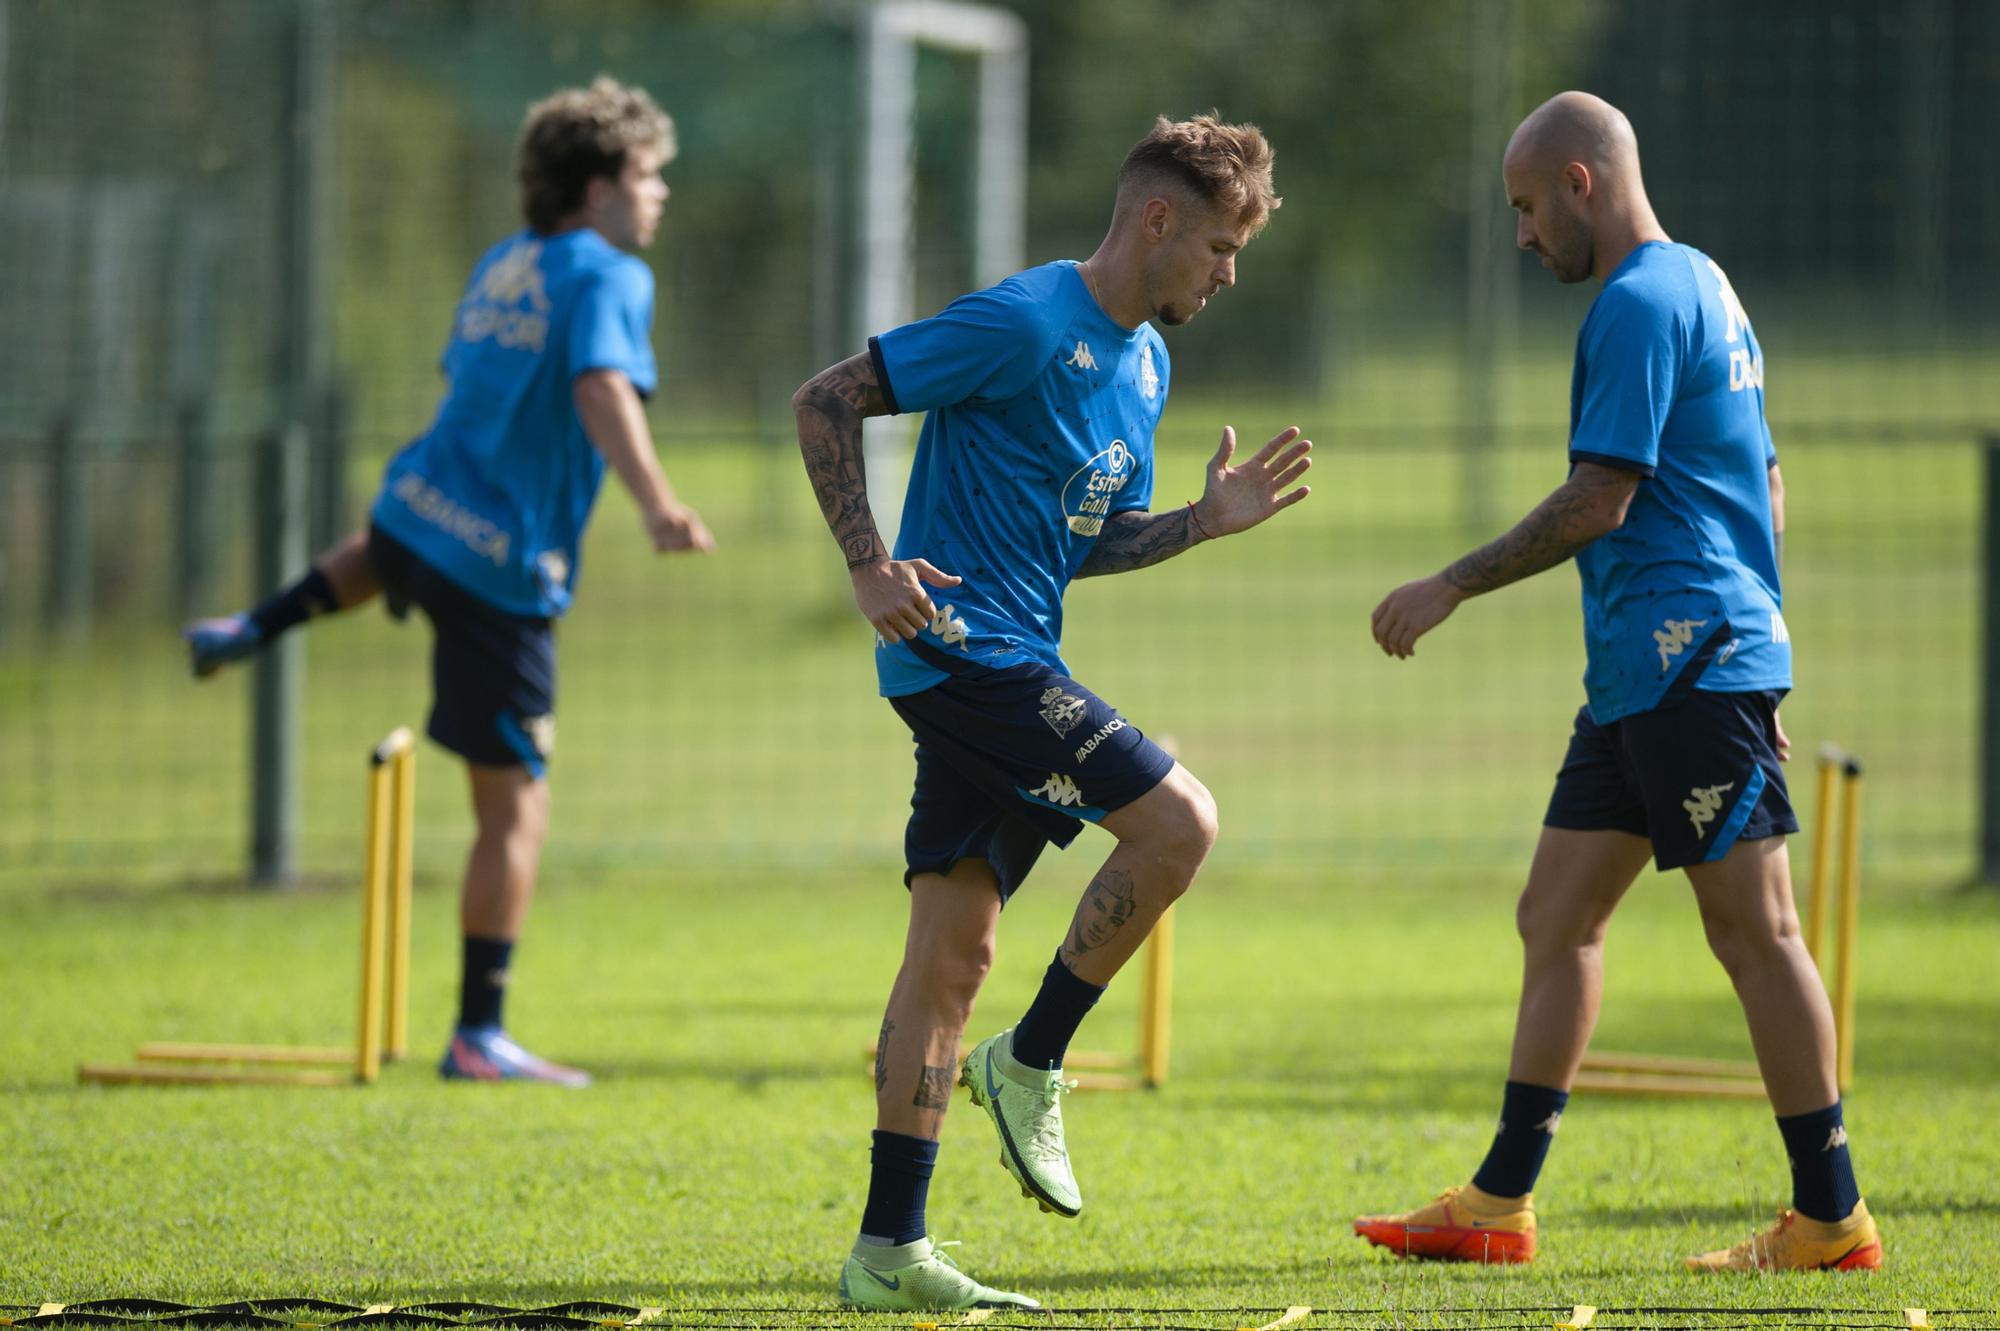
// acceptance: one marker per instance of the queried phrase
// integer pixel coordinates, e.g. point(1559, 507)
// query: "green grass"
point(1339, 1040)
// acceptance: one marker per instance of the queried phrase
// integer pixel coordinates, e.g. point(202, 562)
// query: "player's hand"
point(1238, 498)
point(891, 596)
point(678, 527)
point(1411, 611)
point(1784, 740)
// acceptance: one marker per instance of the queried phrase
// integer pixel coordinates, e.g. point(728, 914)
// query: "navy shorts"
point(1009, 760)
point(1694, 778)
point(493, 675)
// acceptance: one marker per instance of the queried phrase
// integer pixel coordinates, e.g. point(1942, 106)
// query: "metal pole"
point(282, 501)
point(1989, 692)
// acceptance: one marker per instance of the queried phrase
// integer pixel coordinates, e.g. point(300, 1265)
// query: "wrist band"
point(1196, 520)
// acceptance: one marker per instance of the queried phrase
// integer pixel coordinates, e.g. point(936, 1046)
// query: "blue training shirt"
point(496, 493)
point(1042, 410)
point(1669, 382)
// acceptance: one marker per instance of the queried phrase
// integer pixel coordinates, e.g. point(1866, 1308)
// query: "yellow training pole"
point(1850, 909)
point(1829, 773)
point(403, 770)
point(374, 907)
point(1156, 1001)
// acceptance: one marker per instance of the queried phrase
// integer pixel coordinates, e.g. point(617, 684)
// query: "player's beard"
point(1566, 239)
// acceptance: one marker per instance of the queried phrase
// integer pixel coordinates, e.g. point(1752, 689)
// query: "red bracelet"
point(1197, 522)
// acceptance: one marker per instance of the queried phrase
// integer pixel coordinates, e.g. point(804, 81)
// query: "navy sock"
point(482, 985)
point(899, 1183)
point(1043, 1036)
point(294, 605)
point(1822, 1172)
point(1529, 1116)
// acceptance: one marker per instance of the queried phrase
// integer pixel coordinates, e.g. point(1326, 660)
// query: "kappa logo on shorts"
point(1063, 711)
point(541, 732)
point(1702, 806)
point(1058, 789)
point(1675, 637)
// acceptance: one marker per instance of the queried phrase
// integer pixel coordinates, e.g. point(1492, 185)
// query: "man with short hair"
point(480, 520)
point(1034, 466)
point(1674, 512)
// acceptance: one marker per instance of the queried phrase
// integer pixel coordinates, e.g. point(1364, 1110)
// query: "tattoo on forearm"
point(934, 1088)
point(1135, 540)
point(1108, 903)
point(882, 1055)
point(1559, 526)
point(830, 409)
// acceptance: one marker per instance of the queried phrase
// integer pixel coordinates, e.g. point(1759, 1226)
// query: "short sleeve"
point(611, 326)
point(986, 346)
point(1632, 357)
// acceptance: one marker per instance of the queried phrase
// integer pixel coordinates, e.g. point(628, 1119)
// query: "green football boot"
point(1025, 1104)
point(916, 1277)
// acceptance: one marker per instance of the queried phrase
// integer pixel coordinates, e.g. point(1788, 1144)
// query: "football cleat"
point(1025, 1105)
point(1462, 1225)
point(1801, 1243)
point(486, 1053)
point(916, 1276)
point(214, 643)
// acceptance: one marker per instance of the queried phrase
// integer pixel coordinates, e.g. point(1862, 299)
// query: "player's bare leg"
point(1016, 1076)
point(340, 579)
point(510, 806)
point(1753, 929)
point(1575, 883)
point(946, 956)
point(954, 918)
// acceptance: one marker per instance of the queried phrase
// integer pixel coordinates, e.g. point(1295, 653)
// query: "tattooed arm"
point(1135, 540)
point(829, 409)
point(1590, 503)
point(1234, 499)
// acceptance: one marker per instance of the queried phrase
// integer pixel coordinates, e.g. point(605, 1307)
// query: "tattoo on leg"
point(1108, 903)
point(882, 1055)
point(934, 1088)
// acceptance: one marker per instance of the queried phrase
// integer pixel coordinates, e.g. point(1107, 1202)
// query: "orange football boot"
point(1462, 1225)
point(1801, 1243)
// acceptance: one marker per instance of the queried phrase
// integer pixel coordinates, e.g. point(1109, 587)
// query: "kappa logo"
point(541, 732)
point(1702, 806)
point(494, 308)
point(1675, 637)
point(1081, 357)
point(1063, 711)
point(1058, 789)
point(1835, 1139)
point(1149, 378)
point(949, 627)
point(1551, 1123)
point(554, 565)
point(1104, 732)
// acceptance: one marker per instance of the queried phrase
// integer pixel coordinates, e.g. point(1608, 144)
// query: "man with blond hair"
point(480, 520)
point(1034, 466)
point(1674, 512)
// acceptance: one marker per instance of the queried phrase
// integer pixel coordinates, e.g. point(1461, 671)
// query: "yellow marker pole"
point(403, 769)
point(1850, 909)
point(1156, 1002)
point(1829, 773)
point(374, 906)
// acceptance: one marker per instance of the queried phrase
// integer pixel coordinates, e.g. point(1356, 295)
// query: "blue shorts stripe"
point(1725, 835)
point(517, 740)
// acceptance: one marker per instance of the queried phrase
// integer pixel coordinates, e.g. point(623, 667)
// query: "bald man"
point(1673, 511)
point(1035, 466)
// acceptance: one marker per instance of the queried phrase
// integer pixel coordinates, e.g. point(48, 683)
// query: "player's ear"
point(1576, 179)
point(597, 192)
point(1156, 218)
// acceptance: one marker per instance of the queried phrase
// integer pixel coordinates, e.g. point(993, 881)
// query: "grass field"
point(721, 918)
point(1339, 1040)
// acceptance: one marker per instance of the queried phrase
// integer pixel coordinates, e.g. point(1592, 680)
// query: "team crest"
point(1063, 711)
point(1149, 378)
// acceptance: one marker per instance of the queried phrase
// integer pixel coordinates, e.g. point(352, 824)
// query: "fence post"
point(1989, 675)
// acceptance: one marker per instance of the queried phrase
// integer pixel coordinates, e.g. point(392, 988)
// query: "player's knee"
point(1547, 926)
point(953, 976)
point(1195, 824)
point(1744, 943)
